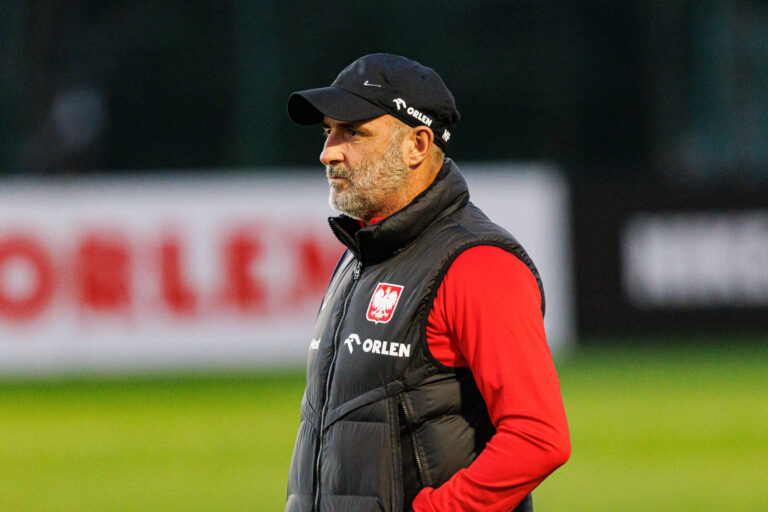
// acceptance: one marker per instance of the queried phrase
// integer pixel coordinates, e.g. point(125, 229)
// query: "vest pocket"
point(411, 469)
point(357, 461)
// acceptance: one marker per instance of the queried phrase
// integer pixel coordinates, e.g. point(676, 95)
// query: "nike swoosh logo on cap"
point(370, 84)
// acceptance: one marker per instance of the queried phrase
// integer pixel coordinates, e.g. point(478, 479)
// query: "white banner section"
point(225, 270)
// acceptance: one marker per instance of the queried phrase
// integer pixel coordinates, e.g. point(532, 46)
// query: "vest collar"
point(382, 240)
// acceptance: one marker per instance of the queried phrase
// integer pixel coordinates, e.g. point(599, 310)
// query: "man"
point(430, 386)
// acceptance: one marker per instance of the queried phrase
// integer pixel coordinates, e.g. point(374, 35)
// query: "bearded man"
point(430, 385)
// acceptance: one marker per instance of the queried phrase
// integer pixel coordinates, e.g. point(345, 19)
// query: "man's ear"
point(420, 141)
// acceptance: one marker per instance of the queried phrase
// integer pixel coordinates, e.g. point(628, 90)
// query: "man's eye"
point(352, 133)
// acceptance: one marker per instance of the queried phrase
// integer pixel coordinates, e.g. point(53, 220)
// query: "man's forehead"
point(380, 121)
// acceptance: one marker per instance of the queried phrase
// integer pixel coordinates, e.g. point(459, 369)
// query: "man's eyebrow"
point(344, 124)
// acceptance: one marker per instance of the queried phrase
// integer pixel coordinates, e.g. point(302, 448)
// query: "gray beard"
point(371, 186)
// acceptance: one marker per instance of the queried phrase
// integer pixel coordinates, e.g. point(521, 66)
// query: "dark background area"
point(652, 90)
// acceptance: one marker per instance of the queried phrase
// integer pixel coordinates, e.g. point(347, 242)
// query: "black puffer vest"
point(381, 417)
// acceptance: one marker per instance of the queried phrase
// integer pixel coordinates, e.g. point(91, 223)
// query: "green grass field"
point(652, 429)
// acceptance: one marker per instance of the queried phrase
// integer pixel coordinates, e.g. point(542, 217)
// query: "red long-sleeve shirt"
point(487, 316)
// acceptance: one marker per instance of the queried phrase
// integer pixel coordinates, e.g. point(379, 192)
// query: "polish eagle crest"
point(383, 302)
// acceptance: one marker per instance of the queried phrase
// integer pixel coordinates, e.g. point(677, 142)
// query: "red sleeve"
point(487, 315)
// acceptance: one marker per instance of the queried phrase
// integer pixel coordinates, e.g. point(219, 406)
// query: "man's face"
point(364, 165)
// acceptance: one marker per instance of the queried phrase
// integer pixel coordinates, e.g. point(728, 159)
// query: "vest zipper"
point(329, 377)
point(398, 451)
point(414, 444)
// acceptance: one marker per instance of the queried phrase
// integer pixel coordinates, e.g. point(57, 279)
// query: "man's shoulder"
point(483, 268)
point(471, 225)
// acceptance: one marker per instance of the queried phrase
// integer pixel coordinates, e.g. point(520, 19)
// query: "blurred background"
point(163, 244)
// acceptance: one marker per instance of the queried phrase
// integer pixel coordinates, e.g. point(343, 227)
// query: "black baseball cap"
point(379, 84)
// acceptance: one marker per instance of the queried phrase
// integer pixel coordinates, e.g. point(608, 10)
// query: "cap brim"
point(309, 107)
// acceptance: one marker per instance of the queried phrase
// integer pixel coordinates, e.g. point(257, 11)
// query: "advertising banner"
point(222, 270)
point(664, 260)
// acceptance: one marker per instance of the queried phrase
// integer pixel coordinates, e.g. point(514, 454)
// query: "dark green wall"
point(600, 88)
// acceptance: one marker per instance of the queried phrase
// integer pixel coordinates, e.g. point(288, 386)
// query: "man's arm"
point(487, 315)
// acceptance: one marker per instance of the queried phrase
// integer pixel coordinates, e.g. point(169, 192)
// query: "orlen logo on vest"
point(383, 302)
point(385, 348)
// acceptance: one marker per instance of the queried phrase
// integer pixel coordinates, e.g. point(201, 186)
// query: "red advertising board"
point(222, 270)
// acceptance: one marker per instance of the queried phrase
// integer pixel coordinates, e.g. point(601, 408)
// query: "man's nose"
point(332, 153)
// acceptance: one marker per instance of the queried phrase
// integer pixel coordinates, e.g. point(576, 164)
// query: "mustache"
point(337, 171)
